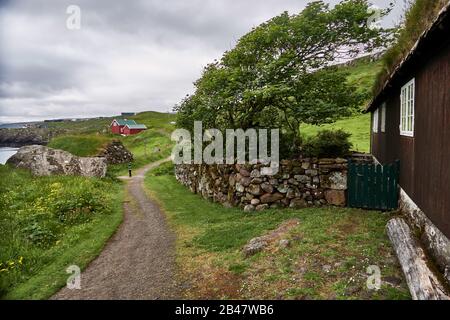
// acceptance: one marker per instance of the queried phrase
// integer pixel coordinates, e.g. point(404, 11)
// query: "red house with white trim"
point(126, 127)
point(130, 129)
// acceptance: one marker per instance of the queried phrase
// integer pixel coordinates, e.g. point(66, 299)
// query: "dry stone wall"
point(298, 184)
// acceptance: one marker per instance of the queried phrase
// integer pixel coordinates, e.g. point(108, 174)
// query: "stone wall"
point(298, 184)
point(116, 153)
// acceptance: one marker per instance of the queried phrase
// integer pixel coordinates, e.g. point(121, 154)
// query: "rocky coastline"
point(16, 138)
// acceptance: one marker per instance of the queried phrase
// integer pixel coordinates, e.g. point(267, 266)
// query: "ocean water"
point(6, 153)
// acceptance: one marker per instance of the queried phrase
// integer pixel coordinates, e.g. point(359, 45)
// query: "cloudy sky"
point(130, 55)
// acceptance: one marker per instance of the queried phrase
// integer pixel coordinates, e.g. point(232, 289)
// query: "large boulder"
point(44, 161)
point(115, 153)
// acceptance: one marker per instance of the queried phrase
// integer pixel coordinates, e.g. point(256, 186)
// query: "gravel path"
point(139, 260)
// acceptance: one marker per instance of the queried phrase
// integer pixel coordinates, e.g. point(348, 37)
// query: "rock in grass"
point(271, 239)
point(326, 268)
point(262, 207)
point(249, 208)
point(254, 246)
point(44, 161)
point(284, 243)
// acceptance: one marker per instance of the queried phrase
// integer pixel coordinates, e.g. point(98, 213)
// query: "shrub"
point(39, 235)
point(286, 148)
point(328, 144)
point(78, 203)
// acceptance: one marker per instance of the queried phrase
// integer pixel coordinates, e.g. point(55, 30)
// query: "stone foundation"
point(298, 184)
point(434, 241)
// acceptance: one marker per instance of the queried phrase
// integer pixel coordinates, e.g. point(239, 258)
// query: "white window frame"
point(383, 117)
point(375, 122)
point(407, 108)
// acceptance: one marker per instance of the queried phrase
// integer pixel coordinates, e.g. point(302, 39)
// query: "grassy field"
point(80, 145)
point(48, 224)
point(329, 253)
point(148, 146)
point(358, 126)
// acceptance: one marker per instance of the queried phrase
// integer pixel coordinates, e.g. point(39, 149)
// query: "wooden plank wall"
point(424, 159)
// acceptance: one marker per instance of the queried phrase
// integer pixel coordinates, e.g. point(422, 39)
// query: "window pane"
point(375, 121)
point(408, 114)
point(403, 113)
point(407, 102)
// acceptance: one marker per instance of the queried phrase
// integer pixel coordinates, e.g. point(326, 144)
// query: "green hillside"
point(80, 145)
point(88, 137)
point(362, 74)
point(152, 119)
point(358, 126)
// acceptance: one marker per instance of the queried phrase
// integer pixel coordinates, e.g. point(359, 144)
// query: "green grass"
point(358, 126)
point(156, 120)
point(362, 75)
point(48, 224)
point(80, 145)
point(210, 238)
point(148, 146)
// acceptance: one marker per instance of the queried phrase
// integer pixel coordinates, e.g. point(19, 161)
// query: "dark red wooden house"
point(411, 122)
point(130, 129)
point(126, 127)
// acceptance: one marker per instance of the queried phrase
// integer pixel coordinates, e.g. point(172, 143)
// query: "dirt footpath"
point(139, 260)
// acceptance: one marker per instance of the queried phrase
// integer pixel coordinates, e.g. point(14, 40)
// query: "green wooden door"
point(372, 186)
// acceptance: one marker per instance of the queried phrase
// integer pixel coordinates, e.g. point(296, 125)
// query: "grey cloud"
point(133, 55)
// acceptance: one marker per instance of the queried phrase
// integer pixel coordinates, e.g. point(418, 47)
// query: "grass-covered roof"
point(419, 17)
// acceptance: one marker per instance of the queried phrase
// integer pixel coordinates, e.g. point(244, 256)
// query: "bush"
point(287, 149)
point(39, 235)
point(327, 144)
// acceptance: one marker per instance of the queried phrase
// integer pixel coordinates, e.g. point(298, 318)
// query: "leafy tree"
point(281, 73)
